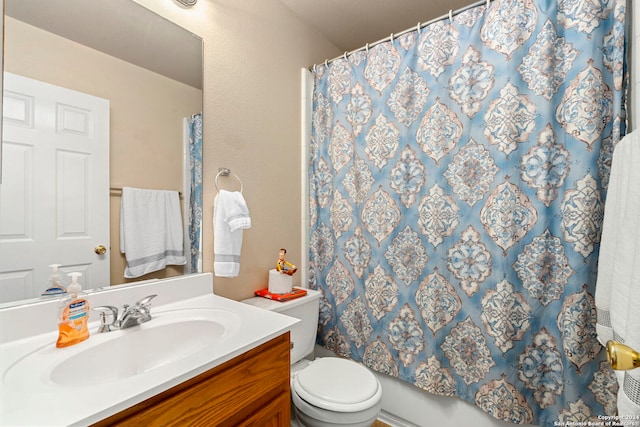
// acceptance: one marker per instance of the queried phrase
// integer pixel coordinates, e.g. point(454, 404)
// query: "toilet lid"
point(337, 384)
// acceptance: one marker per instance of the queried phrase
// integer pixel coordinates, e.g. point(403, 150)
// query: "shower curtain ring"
point(345, 55)
point(488, 1)
point(391, 37)
point(418, 27)
point(450, 15)
point(366, 48)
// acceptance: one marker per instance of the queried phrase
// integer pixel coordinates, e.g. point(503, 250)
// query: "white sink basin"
point(169, 337)
point(192, 331)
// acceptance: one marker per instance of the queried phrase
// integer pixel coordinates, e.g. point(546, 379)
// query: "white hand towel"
point(237, 212)
point(151, 235)
point(230, 218)
point(618, 283)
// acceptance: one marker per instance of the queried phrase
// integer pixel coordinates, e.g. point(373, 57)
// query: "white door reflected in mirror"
point(58, 138)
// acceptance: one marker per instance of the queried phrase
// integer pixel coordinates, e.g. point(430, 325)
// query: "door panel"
point(54, 198)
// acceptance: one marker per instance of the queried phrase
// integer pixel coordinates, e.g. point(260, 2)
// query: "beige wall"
point(146, 113)
point(253, 53)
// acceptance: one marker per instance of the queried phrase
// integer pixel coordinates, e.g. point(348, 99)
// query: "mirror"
point(150, 70)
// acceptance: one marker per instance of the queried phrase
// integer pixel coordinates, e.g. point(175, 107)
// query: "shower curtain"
point(193, 184)
point(457, 179)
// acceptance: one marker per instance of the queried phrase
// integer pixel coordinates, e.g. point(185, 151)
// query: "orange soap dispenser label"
point(72, 328)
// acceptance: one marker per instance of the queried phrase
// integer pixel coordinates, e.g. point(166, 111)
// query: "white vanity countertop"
point(49, 404)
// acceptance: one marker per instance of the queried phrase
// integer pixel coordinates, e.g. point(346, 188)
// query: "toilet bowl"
point(329, 391)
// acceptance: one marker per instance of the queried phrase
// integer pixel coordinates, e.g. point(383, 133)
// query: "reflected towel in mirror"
point(151, 235)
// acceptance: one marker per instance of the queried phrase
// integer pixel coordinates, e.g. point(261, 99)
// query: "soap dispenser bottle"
point(73, 315)
point(55, 286)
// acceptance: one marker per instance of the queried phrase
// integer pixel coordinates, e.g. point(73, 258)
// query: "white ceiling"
point(351, 24)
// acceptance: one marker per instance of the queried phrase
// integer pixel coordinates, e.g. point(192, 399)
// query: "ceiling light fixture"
point(187, 3)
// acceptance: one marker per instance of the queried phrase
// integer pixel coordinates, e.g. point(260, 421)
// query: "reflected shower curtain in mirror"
point(194, 196)
point(457, 183)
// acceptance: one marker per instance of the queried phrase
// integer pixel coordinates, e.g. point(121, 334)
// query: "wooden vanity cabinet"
point(250, 390)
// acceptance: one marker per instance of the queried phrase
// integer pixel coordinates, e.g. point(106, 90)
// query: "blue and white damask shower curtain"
point(457, 183)
point(193, 177)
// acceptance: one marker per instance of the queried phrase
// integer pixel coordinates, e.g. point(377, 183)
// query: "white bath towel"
point(618, 283)
point(230, 218)
point(151, 235)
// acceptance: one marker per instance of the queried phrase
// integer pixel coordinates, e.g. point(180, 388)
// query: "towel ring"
point(226, 172)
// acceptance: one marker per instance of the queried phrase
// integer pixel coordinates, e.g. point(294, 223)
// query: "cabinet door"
point(250, 390)
point(275, 414)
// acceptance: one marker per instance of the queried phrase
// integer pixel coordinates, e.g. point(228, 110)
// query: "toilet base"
point(310, 416)
point(295, 422)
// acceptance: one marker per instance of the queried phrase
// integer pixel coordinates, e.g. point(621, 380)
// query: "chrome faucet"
point(130, 316)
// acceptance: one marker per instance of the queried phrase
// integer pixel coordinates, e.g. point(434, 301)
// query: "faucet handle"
point(143, 306)
point(105, 310)
point(146, 301)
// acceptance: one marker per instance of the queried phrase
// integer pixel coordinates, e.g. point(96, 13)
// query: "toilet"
point(329, 391)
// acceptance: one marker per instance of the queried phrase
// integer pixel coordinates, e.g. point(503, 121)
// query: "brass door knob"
point(100, 250)
point(622, 357)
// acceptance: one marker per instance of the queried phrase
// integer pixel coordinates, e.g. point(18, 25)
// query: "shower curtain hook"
point(345, 55)
point(451, 16)
point(326, 63)
point(391, 37)
point(418, 27)
point(488, 1)
point(366, 48)
point(314, 68)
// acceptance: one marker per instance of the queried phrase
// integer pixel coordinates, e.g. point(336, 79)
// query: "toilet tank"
point(307, 309)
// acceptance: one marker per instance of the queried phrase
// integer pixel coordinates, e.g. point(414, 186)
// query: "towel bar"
point(119, 190)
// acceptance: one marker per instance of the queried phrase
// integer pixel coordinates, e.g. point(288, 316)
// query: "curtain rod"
point(420, 26)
